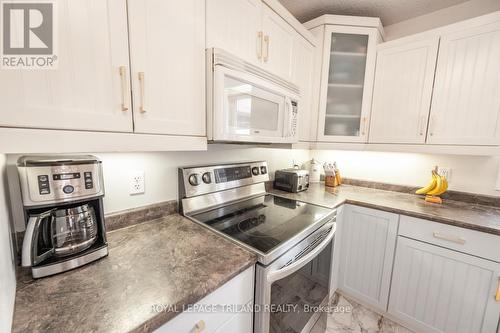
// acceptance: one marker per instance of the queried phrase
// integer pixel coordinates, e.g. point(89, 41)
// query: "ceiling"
point(389, 11)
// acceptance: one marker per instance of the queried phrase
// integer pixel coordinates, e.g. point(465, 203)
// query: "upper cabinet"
point(302, 74)
point(167, 55)
point(466, 101)
point(90, 88)
point(402, 91)
point(441, 87)
point(252, 31)
point(348, 66)
point(277, 47)
point(240, 31)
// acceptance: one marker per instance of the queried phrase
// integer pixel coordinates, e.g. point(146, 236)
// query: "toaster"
point(291, 180)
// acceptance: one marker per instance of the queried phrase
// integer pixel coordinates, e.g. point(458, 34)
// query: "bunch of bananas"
point(437, 186)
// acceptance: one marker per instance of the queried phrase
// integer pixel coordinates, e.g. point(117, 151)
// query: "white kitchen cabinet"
point(252, 31)
point(466, 100)
point(278, 44)
point(90, 89)
point(348, 66)
point(367, 249)
point(238, 292)
point(403, 89)
point(443, 291)
point(234, 26)
point(302, 75)
point(167, 55)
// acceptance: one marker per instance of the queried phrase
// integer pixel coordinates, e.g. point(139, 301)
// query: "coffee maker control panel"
point(59, 181)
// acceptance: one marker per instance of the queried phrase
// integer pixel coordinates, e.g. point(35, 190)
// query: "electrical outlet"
point(446, 172)
point(137, 183)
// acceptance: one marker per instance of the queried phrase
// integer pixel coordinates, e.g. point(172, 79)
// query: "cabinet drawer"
point(473, 242)
point(238, 291)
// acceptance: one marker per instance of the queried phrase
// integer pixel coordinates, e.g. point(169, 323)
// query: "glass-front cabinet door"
point(347, 81)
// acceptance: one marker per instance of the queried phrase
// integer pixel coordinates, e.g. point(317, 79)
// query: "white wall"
point(161, 170)
point(474, 174)
point(7, 273)
point(441, 17)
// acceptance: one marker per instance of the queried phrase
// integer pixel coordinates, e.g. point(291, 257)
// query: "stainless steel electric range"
point(292, 239)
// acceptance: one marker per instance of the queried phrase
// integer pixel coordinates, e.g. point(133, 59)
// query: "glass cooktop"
point(264, 222)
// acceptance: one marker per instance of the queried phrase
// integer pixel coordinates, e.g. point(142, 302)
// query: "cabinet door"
point(167, 50)
point(302, 75)
point(87, 90)
point(438, 290)
point(277, 44)
point(233, 25)
point(402, 92)
point(466, 100)
point(347, 80)
point(367, 249)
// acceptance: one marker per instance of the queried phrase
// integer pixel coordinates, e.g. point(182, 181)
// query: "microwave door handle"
point(30, 255)
point(292, 268)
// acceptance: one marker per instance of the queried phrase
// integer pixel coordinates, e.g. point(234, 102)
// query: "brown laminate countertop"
point(170, 261)
point(461, 214)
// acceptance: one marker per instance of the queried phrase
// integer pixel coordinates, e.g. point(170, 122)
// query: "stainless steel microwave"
point(248, 104)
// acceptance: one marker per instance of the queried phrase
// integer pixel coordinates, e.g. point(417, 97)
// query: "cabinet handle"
point(497, 296)
point(454, 239)
point(363, 126)
point(266, 55)
point(260, 34)
point(199, 327)
point(141, 89)
point(123, 81)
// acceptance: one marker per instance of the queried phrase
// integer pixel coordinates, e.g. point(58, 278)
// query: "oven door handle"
point(295, 266)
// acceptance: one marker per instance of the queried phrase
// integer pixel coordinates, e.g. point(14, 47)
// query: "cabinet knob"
point(266, 54)
point(199, 327)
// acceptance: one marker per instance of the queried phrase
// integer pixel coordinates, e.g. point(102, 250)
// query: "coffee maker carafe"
point(62, 203)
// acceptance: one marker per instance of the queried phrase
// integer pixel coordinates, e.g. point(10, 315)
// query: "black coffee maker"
point(63, 212)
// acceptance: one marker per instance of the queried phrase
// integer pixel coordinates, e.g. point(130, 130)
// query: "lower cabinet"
point(237, 292)
point(440, 290)
point(367, 250)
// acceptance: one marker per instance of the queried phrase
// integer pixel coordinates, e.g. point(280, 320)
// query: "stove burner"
point(247, 225)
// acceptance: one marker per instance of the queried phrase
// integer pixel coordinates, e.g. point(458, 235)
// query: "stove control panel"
point(206, 179)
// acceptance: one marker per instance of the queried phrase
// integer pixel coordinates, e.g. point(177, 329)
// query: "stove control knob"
point(207, 179)
point(255, 171)
point(263, 170)
point(193, 179)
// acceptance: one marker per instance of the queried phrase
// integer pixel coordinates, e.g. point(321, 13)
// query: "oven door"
point(291, 290)
point(250, 109)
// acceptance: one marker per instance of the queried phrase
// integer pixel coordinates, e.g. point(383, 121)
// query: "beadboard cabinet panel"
point(466, 100)
point(402, 92)
point(367, 249)
point(86, 91)
point(233, 25)
point(437, 290)
point(167, 53)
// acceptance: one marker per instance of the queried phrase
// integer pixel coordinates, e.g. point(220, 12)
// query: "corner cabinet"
point(347, 74)
point(366, 254)
point(466, 100)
